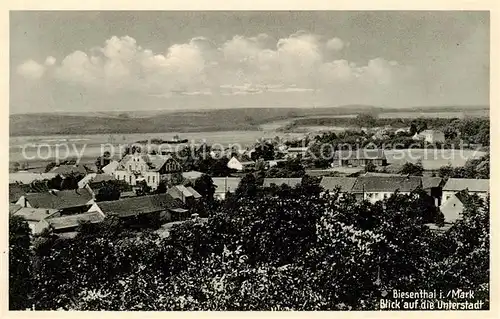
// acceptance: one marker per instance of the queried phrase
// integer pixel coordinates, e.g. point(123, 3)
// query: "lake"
point(38, 148)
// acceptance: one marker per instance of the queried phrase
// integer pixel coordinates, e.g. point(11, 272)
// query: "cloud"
point(50, 60)
point(31, 69)
point(335, 44)
point(252, 65)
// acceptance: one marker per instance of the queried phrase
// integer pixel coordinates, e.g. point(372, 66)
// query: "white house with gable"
point(149, 168)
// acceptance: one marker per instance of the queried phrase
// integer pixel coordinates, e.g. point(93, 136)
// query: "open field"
point(432, 159)
point(242, 119)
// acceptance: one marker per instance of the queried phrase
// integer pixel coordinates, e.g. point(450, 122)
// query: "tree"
point(264, 150)
point(412, 169)
point(15, 166)
point(205, 186)
point(446, 171)
point(247, 186)
point(365, 120)
point(20, 264)
point(310, 185)
point(71, 180)
point(176, 179)
point(110, 190)
point(103, 160)
point(142, 188)
point(370, 167)
point(55, 183)
point(162, 187)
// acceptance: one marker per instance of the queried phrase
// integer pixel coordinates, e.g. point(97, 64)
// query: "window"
point(153, 179)
point(130, 179)
point(148, 179)
point(130, 167)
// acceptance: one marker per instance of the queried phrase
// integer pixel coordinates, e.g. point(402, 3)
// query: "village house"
point(241, 163)
point(480, 187)
point(224, 185)
point(359, 158)
point(66, 226)
point(453, 208)
point(344, 184)
point(187, 195)
point(68, 202)
point(162, 206)
point(33, 216)
point(376, 188)
point(111, 167)
point(290, 182)
point(149, 168)
point(95, 180)
point(16, 190)
point(430, 136)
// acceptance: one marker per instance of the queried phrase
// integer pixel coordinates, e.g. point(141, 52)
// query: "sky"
point(91, 61)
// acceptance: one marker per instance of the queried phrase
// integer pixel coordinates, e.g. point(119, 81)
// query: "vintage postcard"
point(264, 160)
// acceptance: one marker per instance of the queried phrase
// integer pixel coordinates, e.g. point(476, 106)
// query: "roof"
point(226, 184)
point(131, 206)
point(292, 182)
point(364, 153)
point(17, 190)
point(319, 172)
point(431, 182)
point(74, 220)
point(93, 179)
point(69, 169)
point(244, 159)
point(183, 190)
point(99, 178)
point(111, 167)
point(381, 174)
point(91, 168)
point(13, 208)
point(127, 194)
point(154, 162)
point(345, 183)
point(193, 192)
point(34, 214)
point(60, 199)
point(386, 184)
point(27, 177)
point(473, 185)
point(191, 174)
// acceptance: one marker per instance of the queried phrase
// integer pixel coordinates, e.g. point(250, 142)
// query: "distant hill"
point(183, 121)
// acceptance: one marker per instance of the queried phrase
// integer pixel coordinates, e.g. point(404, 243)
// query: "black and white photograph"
point(288, 160)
